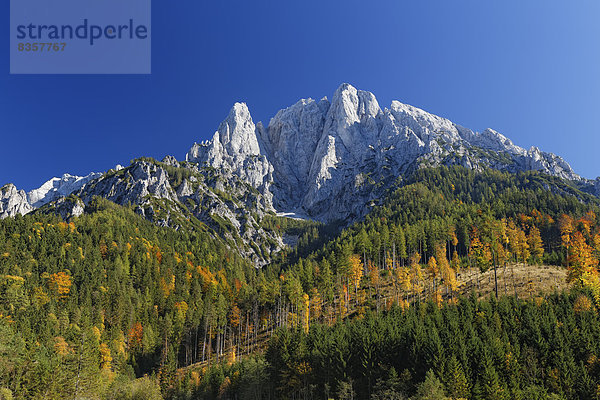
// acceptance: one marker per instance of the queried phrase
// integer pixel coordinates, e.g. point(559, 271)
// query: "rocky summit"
point(13, 201)
point(56, 188)
point(327, 160)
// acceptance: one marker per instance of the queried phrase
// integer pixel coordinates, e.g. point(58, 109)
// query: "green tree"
point(431, 388)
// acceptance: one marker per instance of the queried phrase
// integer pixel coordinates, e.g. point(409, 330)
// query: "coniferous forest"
point(111, 306)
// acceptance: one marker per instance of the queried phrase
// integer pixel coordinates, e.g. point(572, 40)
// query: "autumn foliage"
point(60, 283)
point(135, 335)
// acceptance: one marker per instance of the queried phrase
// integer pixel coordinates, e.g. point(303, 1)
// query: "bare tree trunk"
point(204, 343)
point(209, 343)
point(196, 345)
point(513, 279)
point(504, 277)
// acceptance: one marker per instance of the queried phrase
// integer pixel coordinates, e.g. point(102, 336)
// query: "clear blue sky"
point(529, 69)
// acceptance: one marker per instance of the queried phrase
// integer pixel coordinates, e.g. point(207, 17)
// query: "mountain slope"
point(183, 196)
point(329, 161)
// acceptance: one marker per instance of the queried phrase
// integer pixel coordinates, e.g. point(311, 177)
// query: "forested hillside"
point(90, 304)
point(108, 294)
point(545, 348)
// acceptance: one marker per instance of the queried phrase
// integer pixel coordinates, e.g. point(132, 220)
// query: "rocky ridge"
point(56, 188)
point(175, 195)
point(328, 160)
point(322, 160)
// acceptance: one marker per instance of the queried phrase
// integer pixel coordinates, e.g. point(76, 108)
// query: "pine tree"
point(401, 243)
point(490, 384)
point(431, 388)
point(416, 274)
point(456, 381)
point(388, 389)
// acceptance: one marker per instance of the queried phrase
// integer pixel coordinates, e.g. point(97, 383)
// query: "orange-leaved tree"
point(60, 283)
point(581, 260)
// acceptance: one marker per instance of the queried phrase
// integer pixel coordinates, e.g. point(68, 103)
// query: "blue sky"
point(529, 69)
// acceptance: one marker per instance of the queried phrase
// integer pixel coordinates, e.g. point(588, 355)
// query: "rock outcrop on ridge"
point(13, 202)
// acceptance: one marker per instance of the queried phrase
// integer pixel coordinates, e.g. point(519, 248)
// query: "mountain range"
point(324, 160)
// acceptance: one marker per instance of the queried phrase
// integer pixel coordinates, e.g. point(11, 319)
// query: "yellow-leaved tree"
point(305, 312)
point(536, 246)
point(355, 272)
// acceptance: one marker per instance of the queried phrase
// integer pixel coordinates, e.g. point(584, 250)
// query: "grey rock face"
point(13, 202)
point(595, 187)
point(328, 160)
point(56, 188)
point(291, 140)
point(343, 154)
point(170, 160)
point(65, 207)
point(131, 185)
